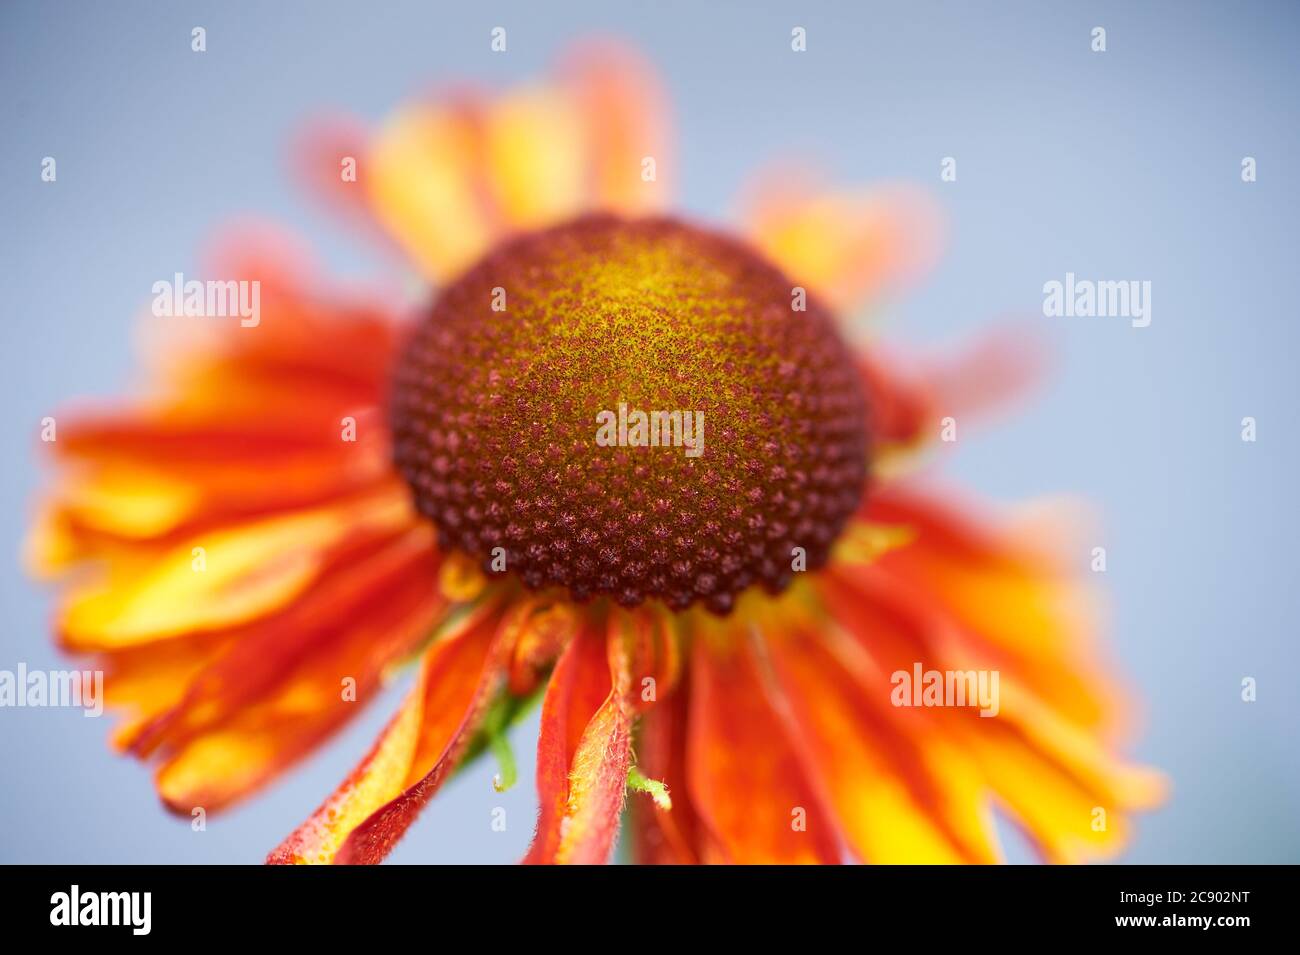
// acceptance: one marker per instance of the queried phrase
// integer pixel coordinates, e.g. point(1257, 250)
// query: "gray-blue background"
point(1121, 165)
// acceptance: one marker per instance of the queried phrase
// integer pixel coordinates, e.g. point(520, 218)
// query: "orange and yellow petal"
point(1011, 599)
point(746, 779)
point(227, 577)
point(450, 177)
point(330, 646)
point(851, 246)
point(583, 745)
point(963, 595)
point(674, 836)
point(910, 399)
point(625, 116)
point(897, 798)
point(362, 820)
point(235, 541)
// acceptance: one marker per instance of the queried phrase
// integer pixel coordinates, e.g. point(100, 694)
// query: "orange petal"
point(1050, 772)
point(621, 101)
point(896, 799)
point(652, 654)
point(675, 836)
point(329, 157)
point(147, 498)
point(1042, 754)
point(909, 399)
point(1004, 589)
point(596, 787)
point(582, 827)
point(229, 576)
point(157, 439)
point(119, 501)
point(266, 702)
point(1073, 797)
point(333, 341)
point(849, 246)
point(744, 776)
point(371, 809)
point(426, 184)
point(143, 682)
point(244, 420)
point(357, 620)
point(579, 686)
point(539, 643)
point(449, 178)
point(220, 767)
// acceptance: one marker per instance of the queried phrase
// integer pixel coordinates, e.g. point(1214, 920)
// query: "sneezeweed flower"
point(717, 640)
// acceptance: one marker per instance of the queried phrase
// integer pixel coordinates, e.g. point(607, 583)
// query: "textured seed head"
point(499, 395)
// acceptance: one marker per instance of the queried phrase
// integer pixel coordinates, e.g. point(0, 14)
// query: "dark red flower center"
point(634, 408)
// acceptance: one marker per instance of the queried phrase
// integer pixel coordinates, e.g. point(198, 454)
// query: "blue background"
point(1117, 165)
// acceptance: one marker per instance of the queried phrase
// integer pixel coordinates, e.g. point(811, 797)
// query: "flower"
point(751, 640)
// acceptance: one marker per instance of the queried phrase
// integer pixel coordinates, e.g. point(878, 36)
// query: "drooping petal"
point(240, 541)
point(1070, 793)
point(315, 344)
point(968, 597)
point(227, 577)
point(539, 643)
point(143, 682)
point(897, 799)
point(597, 786)
point(745, 778)
point(242, 420)
point(1004, 589)
point(370, 810)
point(352, 625)
point(1050, 772)
point(675, 836)
point(582, 780)
point(652, 654)
point(579, 686)
point(371, 841)
point(263, 703)
point(148, 502)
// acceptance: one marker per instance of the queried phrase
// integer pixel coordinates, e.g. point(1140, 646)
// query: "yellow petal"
point(847, 245)
point(425, 185)
point(222, 578)
point(534, 162)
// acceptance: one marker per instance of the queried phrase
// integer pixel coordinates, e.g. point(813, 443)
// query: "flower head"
point(743, 615)
point(496, 412)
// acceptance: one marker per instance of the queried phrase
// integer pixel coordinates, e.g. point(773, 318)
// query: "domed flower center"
point(640, 409)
